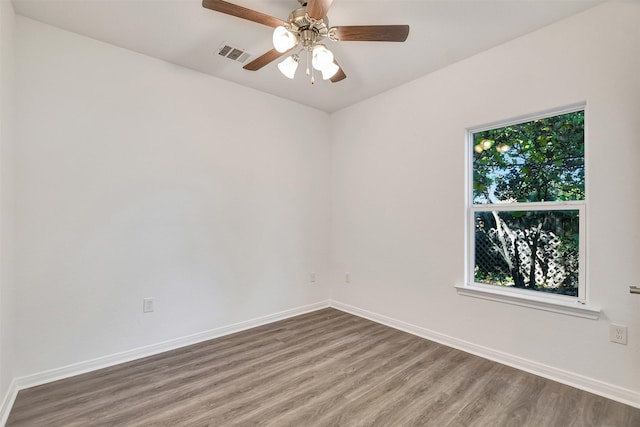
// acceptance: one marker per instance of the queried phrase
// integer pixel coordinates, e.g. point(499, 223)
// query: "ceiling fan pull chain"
point(313, 79)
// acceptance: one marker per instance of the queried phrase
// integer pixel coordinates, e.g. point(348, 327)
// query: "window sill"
point(533, 301)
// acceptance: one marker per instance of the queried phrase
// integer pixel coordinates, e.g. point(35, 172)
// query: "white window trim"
point(512, 296)
point(574, 306)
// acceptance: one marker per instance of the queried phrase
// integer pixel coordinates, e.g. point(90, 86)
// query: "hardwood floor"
point(325, 368)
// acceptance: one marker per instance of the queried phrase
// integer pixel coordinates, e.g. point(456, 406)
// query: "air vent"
point(233, 53)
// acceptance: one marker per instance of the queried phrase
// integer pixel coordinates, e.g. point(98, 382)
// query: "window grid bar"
point(539, 206)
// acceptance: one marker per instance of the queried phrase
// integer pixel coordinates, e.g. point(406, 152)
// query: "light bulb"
point(329, 71)
point(283, 39)
point(322, 57)
point(289, 66)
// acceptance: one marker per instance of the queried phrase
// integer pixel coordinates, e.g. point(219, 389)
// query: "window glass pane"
point(537, 161)
point(535, 250)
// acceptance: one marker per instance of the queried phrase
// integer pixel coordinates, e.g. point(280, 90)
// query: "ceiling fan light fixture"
point(329, 71)
point(283, 39)
point(289, 66)
point(321, 57)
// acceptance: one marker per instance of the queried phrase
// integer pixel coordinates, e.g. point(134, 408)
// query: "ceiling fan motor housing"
point(309, 31)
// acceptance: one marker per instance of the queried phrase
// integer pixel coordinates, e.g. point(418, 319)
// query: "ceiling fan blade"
point(317, 9)
point(242, 12)
point(339, 76)
point(371, 33)
point(263, 60)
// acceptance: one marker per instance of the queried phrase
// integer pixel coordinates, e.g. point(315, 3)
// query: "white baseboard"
point(138, 353)
point(7, 402)
point(610, 391)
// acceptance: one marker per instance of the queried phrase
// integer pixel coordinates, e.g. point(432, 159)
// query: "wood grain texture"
point(242, 12)
point(326, 368)
point(340, 75)
point(264, 59)
point(372, 33)
point(317, 9)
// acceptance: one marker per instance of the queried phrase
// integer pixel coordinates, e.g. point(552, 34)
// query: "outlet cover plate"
point(147, 305)
point(618, 334)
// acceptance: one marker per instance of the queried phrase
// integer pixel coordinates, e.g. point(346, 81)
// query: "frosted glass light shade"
point(283, 39)
point(289, 66)
point(329, 71)
point(322, 57)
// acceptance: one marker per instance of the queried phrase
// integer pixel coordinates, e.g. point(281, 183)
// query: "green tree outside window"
point(537, 162)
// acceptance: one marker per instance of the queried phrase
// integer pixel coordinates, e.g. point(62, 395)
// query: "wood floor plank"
point(328, 379)
point(187, 379)
point(325, 368)
point(248, 393)
point(390, 395)
point(257, 384)
point(172, 365)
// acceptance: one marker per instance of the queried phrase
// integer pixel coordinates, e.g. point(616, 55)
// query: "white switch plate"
point(347, 277)
point(147, 305)
point(312, 277)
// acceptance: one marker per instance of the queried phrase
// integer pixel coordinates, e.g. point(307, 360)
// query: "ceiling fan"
point(305, 29)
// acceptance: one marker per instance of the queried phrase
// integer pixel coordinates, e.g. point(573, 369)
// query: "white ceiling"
point(183, 32)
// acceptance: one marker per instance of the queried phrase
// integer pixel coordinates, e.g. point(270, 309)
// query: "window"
point(527, 208)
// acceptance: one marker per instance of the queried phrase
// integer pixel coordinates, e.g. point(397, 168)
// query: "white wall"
point(6, 128)
point(137, 178)
point(398, 196)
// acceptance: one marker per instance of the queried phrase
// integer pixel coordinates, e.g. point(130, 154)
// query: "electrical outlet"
point(312, 277)
point(618, 334)
point(147, 305)
point(347, 277)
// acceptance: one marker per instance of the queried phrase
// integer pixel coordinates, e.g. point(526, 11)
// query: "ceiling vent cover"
point(233, 53)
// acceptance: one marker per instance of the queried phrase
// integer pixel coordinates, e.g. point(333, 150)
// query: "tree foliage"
point(537, 161)
point(531, 249)
point(541, 160)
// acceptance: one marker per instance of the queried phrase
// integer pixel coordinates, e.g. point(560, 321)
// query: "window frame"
point(566, 304)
